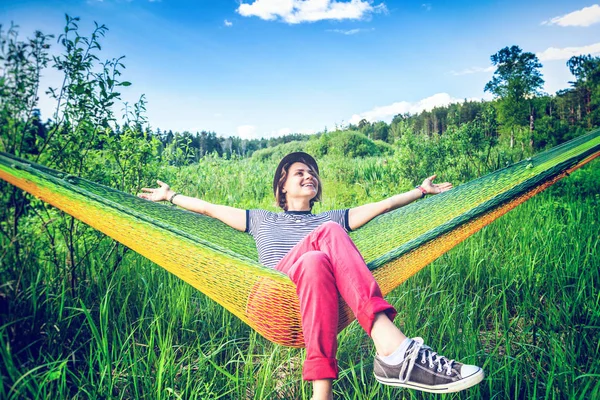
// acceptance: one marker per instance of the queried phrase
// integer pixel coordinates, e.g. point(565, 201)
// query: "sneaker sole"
point(457, 386)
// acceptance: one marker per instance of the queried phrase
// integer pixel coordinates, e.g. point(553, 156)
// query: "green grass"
point(520, 298)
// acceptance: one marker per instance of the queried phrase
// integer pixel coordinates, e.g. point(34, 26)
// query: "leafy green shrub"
point(351, 144)
point(279, 151)
point(384, 147)
point(318, 146)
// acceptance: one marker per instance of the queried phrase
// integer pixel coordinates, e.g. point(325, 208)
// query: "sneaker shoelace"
point(426, 354)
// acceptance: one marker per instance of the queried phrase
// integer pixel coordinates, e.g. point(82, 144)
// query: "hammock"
point(223, 263)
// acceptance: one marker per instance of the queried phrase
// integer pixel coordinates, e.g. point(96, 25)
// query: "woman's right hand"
point(161, 193)
point(234, 217)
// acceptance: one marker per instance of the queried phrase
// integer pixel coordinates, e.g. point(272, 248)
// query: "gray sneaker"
point(423, 369)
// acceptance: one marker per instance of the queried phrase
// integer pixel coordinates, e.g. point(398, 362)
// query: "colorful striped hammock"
point(222, 262)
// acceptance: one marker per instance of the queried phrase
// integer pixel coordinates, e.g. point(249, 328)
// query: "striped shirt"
point(277, 233)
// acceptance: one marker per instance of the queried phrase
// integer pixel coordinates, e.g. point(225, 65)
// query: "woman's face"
point(301, 182)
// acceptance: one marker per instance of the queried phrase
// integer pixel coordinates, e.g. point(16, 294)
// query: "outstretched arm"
point(358, 216)
point(234, 217)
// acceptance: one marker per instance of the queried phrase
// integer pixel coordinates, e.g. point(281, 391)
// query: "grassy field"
point(520, 298)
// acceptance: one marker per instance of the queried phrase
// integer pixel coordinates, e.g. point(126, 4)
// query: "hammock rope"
point(223, 263)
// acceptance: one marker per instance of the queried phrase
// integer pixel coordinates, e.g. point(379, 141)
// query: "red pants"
point(324, 265)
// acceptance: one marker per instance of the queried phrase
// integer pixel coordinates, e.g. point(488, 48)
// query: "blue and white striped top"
point(277, 233)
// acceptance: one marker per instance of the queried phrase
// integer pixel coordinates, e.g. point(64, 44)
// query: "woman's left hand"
point(435, 188)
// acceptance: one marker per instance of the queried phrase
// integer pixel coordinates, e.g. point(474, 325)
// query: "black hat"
point(290, 159)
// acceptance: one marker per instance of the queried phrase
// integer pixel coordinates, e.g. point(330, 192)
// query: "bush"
point(318, 146)
point(384, 147)
point(279, 151)
point(346, 144)
point(351, 144)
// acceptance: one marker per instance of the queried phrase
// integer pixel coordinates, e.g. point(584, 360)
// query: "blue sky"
point(260, 68)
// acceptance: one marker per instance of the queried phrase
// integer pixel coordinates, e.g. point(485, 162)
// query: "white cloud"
point(585, 17)
point(473, 70)
point(553, 53)
point(246, 131)
point(350, 31)
point(228, 23)
point(298, 11)
point(426, 6)
point(386, 113)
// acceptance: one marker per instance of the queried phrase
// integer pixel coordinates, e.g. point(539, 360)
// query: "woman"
point(317, 254)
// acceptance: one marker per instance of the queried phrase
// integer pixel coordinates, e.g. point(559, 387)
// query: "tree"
point(516, 81)
point(586, 70)
point(380, 131)
point(21, 65)
point(365, 127)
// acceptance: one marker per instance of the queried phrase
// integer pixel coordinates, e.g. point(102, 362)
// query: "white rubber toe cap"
point(468, 370)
